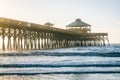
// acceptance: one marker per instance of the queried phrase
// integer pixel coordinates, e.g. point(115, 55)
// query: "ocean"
point(77, 63)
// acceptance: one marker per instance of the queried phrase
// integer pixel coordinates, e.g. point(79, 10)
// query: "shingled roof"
point(78, 23)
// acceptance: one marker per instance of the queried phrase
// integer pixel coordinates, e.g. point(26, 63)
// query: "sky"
point(103, 15)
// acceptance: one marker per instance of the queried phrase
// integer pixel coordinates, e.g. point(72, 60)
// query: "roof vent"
point(78, 20)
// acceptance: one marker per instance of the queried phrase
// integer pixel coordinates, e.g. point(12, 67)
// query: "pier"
point(21, 35)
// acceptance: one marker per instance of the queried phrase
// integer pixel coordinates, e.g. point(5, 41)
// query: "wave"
point(56, 65)
point(61, 70)
point(110, 54)
point(95, 72)
point(107, 51)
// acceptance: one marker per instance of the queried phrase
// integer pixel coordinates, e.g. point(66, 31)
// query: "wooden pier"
point(20, 35)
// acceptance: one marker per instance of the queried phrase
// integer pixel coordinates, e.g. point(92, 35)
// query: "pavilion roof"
point(78, 23)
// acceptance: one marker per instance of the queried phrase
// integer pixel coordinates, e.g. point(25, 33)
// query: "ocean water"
point(78, 63)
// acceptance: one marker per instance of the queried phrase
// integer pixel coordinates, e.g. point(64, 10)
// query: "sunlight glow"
point(1, 42)
point(102, 14)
